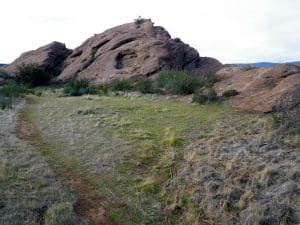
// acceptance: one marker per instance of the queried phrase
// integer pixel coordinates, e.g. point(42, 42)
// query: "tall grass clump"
point(145, 86)
point(98, 90)
point(76, 88)
point(121, 85)
point(5, 102)
point(60, 213)
point(13, 89)
point(31, 74)
point(177, 82)
point(205, 95)
point(82, 87)
point(209, 79)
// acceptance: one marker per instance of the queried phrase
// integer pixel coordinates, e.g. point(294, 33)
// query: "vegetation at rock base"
point(121, 85)
point(32, 74)
point(13, 89)
point(177, 82)
point(167, 82)
point(145, 86)
point(76, 88)
point(205, 95)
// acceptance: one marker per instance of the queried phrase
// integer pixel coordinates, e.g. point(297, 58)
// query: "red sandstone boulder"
point(130, 51)
point(259, 88)
point(49, 57)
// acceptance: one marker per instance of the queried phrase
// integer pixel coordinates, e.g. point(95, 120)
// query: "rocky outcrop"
point(259, 88)
point(130, 51)
point(49, 57)
point(288, 104)
point(207, 65)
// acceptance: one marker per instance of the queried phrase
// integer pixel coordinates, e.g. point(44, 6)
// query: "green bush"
point(209, 79)
point(103, 89)
point(81, 87)
point(230, 93)
point(5, 102)
point(13, 89)
point(145, 86)
point(98, 90)
point(139, 20)
point(205, 95)
point(76, 88)
point(277, 119)
point(177, 82)
point(121, 85)
point(32, 74)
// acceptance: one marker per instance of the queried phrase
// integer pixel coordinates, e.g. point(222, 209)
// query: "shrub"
point(5, 102)
point(121, 85)
point(31, 74)
point(13, 89)
point(230, 93)
point(102, 90)
point(170, 139)
point(139, 20)
point(277, 119)
point(98, 90)
point(209, 79)
point(77, 88)
point(81, 87)
point(145, 85)
point(38, 93)
point(177, 82)
point(205, 95)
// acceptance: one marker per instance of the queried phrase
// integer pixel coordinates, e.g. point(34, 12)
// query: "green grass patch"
point(157, 129)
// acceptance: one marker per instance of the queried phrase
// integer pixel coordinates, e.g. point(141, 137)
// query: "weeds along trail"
point(30, 193)
point(87, 204)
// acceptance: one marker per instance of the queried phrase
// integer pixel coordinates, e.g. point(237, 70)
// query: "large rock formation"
point(259, 88)
point(49, 57)
point(129, 51)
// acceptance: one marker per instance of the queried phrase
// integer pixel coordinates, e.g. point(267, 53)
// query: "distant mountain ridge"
point(265, 64)
point(1, 64)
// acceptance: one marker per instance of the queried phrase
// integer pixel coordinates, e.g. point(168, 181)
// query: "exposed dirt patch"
point(87, 205)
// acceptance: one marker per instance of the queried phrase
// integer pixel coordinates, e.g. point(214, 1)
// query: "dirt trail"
point(87, 205)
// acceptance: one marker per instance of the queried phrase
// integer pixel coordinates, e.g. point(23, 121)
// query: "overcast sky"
point(229, 30)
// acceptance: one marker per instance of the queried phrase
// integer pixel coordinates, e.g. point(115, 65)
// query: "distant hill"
point(1, 65)
point(264, 64)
